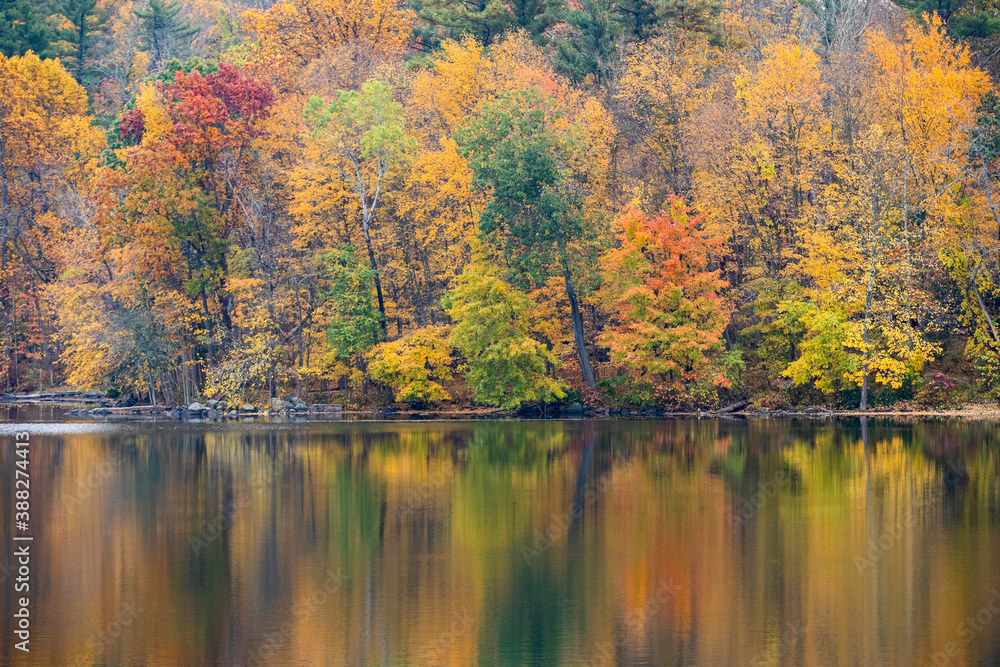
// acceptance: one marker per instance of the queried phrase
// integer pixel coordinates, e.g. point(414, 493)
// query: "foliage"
point(298, 31)
point(163, 34)
point(518, 152)
point(23, 29)
point(249, 363)
point(485, 20)
point(507, 367)
point(938, 390)
point(668, 315)
point(48, 150)
point(987, 364)
point(355, 323)
point(84, 22)
point(316, 175)
point(415, 365)
point(364, 135)
point(587, 54)
point(829, 354)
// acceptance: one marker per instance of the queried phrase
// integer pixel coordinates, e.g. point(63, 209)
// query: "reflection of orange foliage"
point(432, 576)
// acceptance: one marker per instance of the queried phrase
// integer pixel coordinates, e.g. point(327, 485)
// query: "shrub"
point(415, 365)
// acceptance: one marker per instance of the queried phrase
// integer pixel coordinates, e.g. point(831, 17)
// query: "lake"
point(582, 543)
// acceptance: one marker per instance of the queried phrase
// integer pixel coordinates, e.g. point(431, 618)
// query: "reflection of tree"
point(649, 503)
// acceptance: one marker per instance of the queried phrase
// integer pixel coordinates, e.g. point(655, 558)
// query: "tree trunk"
point(378, 283)
point(864, 380)
point(4, 280)
point(581, 347)
point(982, 307)
point(210, 326)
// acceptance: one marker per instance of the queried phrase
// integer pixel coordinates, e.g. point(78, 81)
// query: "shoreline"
point(85, 407)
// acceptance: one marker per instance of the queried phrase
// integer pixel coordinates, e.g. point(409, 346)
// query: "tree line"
point(671, 203)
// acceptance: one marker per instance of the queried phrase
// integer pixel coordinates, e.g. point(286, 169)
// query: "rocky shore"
point(214, 410)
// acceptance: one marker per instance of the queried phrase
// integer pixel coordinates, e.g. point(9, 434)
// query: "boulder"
point(248, 408)
point(197, 407)
point(574, 409)
point(277, 404)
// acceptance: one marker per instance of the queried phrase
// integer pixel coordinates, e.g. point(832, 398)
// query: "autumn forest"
point(671, 203)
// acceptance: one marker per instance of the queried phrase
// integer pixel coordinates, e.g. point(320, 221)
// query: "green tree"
point(162, 32)
point(22, 29)
point(507, 367)
point(536, 16)
point(486, 20)
point(692, 18)
point(955, 13)
point(587, 53)
point(534, 217)
point(355, 322)
point(637, 18)
point(86, 20)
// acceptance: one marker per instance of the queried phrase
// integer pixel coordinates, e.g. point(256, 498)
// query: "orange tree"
point(668, 317)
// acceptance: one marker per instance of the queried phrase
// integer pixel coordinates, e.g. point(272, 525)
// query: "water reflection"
point(512, 543)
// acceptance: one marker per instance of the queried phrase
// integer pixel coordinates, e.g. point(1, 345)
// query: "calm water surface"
point(580, 543)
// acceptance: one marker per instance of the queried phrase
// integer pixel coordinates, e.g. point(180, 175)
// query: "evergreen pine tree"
point(163, 34)
point(692, 17)
point(587, 53)
point(486, 20)
point(22, 29)
point(637, 18)
point(956, 15)
point(536, 16)
point(86, 21)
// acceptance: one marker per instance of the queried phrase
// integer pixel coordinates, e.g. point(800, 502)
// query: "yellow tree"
point(361, 137)
point(299, 31)
point(857, 320)
point(48, 150)
point(664, 84)
point(924, 93)
point(782, 106)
